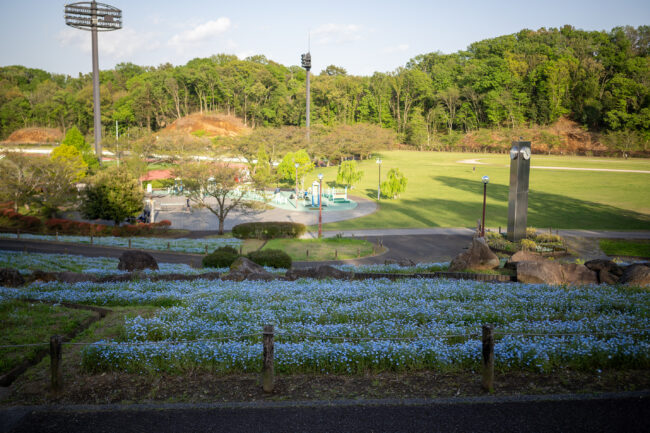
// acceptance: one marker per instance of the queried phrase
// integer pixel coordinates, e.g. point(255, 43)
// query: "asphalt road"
point(418, 248)
point(515, 414)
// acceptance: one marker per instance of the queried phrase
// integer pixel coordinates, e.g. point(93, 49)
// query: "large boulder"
point(10, 278)
point(245, 269)
point(136, 261)
point(554, 273)
point(637, 274)
point(539, 272)
point(320, 273)
point(478, 256)
point(578, 275)
point(608, 272)
point(522, 256)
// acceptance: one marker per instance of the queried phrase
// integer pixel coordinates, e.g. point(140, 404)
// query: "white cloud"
point(337, 34)
point(119, 45)
point(397, 48)
point(201, 32)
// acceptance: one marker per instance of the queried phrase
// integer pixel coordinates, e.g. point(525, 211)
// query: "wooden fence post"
point(268, 371)
point(488, 358)
point(168, 246)
point(336, 254)
point(307, 253)
point(57, 235)
point(358, 252)
point(129, 242)
point(17, 233)
point(55, 362)
point(241, 248)
point(206, 248)
point(91, 239)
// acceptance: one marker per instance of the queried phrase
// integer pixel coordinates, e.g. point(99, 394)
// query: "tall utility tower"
point(94, 17)
point(306, 63)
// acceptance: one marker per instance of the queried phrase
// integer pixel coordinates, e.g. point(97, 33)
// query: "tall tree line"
point(599, 79)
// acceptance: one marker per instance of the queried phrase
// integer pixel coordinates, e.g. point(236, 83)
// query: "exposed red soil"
point(35, 135)
point(212, 125)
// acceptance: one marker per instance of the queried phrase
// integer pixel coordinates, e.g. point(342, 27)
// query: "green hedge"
point(268, 230)
point(273, 258)
point(222, 257)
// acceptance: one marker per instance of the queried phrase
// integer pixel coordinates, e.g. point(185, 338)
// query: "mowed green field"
point(443, 192)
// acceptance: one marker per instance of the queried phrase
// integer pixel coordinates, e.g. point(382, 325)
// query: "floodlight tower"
point(306, 63)
point(94, 17)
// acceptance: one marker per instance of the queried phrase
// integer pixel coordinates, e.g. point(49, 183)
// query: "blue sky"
point(361, 36)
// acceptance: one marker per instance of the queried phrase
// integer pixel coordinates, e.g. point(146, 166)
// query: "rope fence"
point(269, 334)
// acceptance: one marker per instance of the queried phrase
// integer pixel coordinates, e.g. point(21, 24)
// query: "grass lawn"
point(631, 248)
point(30, 323)
point(321, 249)
point(442, 192)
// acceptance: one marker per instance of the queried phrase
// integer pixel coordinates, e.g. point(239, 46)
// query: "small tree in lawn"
point(395, 183)
point(57, 189)
point(287, 169)
point(113, 194)
point(212, 186)
point(348, 173)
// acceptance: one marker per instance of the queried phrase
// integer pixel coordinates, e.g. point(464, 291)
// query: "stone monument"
point(518, 195)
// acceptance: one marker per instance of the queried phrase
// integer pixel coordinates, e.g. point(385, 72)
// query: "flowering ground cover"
point(358, 326)
point(184, 245)
point(26, 262)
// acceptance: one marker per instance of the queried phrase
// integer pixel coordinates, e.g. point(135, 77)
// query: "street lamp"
point(379, 179)
point(320, 205)
point(485, 180)
point(296, 165)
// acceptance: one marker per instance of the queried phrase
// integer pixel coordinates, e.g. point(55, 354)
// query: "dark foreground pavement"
point(606, 413)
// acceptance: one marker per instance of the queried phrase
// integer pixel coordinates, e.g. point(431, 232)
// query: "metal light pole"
point(320, 205)
point(306, 63)
point(94, 17)
point(485, 180)
point(379, 179)
point(297, 165)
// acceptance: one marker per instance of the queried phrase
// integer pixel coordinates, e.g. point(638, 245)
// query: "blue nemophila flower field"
point(27, 262)
point(182, 244)
point(356, 326)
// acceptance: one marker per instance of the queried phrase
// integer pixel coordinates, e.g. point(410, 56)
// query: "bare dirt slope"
point(564, 136)
point(208, 125)
point(35, 135)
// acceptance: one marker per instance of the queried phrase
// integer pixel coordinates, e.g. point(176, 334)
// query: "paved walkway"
point(174, 209)
point(624, 412)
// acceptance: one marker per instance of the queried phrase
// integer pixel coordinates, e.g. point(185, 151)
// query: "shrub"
point(273, 258)
point(548, 238)
point(268, 230)
point(531, 233)
point(30, 222)
point(528, 245)
point(222, 257)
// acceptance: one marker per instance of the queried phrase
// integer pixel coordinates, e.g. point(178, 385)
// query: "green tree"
point(213, 187)
point(57, 189)
point(113, 194)
point(287, 168)
point(348, 173)
point(20, 178)
point(69, 155)
point(75, 139)
point(395, 183)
